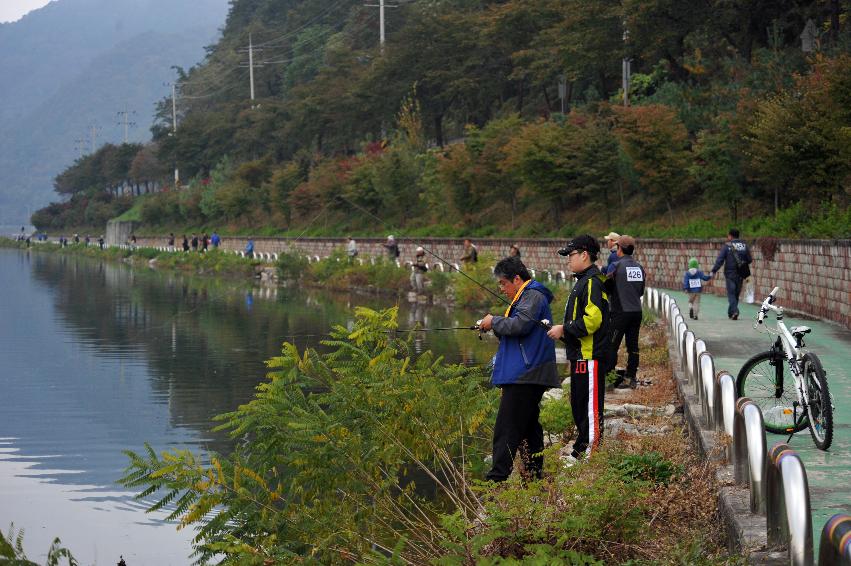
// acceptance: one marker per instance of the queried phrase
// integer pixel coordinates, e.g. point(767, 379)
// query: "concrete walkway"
point(733, 342)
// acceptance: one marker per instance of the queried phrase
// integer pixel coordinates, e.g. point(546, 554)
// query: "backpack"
point(742, 268)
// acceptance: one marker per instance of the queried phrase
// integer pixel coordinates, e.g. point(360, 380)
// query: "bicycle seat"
point(799, 331)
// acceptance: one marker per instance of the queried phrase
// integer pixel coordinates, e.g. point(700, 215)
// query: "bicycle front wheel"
point(766, 380)
point(820, 407)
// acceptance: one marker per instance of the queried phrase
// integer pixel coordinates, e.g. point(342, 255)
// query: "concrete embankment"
point(816, 274)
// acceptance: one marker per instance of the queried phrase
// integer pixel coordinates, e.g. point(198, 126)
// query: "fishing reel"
point(478, 326)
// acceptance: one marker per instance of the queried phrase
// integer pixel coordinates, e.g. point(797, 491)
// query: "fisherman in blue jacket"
point(524, 367)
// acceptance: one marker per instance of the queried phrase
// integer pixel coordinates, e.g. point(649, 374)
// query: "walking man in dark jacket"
point(736, 258)
point(524, 367)
point(585, 332)
point(626, 287)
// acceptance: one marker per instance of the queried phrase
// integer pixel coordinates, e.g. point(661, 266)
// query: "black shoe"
point(735, 316)
point(695, 317)
point(691, 313)
point(628, 383)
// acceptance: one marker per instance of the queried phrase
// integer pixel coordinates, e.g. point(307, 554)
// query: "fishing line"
point(451, 266)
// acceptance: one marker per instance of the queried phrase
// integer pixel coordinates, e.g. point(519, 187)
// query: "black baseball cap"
point(585, 242)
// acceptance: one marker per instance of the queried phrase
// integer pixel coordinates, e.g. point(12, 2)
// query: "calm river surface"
point(96, 358)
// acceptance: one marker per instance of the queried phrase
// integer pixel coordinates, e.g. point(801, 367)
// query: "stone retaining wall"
point(814, 275)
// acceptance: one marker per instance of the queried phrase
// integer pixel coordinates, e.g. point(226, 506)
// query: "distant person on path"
point(215, 239)
point(194, 243)
point(514, 251)
point(132, 241)
point(171, 241)
point(612, 245)
point(419, 270)
point(626, 287)
point(205, 242)
point(87, 241)
point(392, 248)
point(100, 241)
point(352, 249)
point(585, 329)
point(185, 243)
point(471, 253)
point(524, 367)
point(693, 285)
point(76, 238)
point(736, 259)
point(249, 249)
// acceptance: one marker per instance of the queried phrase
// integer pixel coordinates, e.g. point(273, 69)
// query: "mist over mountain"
point(74, 64)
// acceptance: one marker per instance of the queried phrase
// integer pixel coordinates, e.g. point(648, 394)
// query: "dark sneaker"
point(735, 316)
point(628, 383)
point(691, 313)
point(695, 317)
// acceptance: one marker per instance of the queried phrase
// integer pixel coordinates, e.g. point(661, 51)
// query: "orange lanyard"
point(517, 296)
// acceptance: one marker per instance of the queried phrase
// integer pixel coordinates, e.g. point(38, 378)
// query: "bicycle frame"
point(792, 351)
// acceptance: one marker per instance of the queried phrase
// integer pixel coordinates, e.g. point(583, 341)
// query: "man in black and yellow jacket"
point(585, 335)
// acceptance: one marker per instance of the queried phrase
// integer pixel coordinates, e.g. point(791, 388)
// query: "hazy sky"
point(11, 10)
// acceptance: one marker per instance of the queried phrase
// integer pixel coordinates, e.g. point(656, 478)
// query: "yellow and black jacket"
point(586, 317)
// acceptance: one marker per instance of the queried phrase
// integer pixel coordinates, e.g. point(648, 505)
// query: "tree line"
point(457, 125)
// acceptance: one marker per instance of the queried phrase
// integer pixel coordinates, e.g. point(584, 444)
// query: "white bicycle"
point(768, 379)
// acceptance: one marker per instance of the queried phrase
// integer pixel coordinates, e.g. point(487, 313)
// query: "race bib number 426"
point(634, 274)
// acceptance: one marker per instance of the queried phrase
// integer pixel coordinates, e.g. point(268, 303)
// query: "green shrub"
point(291, 265)
point(651, 467)
point(556, 415)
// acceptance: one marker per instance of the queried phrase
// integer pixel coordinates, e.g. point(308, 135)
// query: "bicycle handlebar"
point(767, 305)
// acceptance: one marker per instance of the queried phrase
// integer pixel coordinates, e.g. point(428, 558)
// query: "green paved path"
point(733, 342)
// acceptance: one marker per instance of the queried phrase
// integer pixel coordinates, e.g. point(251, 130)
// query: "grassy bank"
point(368, 454)
point(212, 262)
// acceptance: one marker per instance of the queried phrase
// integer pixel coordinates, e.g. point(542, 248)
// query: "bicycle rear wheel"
point(766, 380)
point(820, 407)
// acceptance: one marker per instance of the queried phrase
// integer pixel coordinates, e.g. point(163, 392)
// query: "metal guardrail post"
point(788, 512)
point(749, 451)
point(698, 348)
point(680, 333)
point(706, 385)
point(718, 414)
point(686, 349)
point(727, 400)
point(835, 546)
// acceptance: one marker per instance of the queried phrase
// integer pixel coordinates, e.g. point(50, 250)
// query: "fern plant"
point(12, 551)
point(340, 455)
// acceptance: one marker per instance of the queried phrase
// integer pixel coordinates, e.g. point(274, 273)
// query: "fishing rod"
point(544, 323)
point(430, 252)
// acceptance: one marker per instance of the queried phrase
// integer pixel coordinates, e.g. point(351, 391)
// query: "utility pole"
point(626, 68)
point(125, 120)
point(80, 145)
point(381, 20)
point(251, 65)
point(174, 130)
point(93, 135)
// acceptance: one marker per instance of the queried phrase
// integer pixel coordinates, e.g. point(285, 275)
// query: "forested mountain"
point(728, 106)
point(76, 63)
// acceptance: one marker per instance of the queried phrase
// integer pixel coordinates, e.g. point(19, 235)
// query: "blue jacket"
point(726, 259)
point(526, 355)
point(694, 283)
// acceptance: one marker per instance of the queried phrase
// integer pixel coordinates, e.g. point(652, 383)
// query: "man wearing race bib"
point(625, 286)
point(693, 285)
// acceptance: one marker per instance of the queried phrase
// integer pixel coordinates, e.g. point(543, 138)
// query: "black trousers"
point(517, 428)
point(587, 393)
point(625, 324)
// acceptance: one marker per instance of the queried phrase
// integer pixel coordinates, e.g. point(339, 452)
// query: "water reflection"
point(98, 358)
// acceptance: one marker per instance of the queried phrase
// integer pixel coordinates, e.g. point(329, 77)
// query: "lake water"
point(97, 358)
